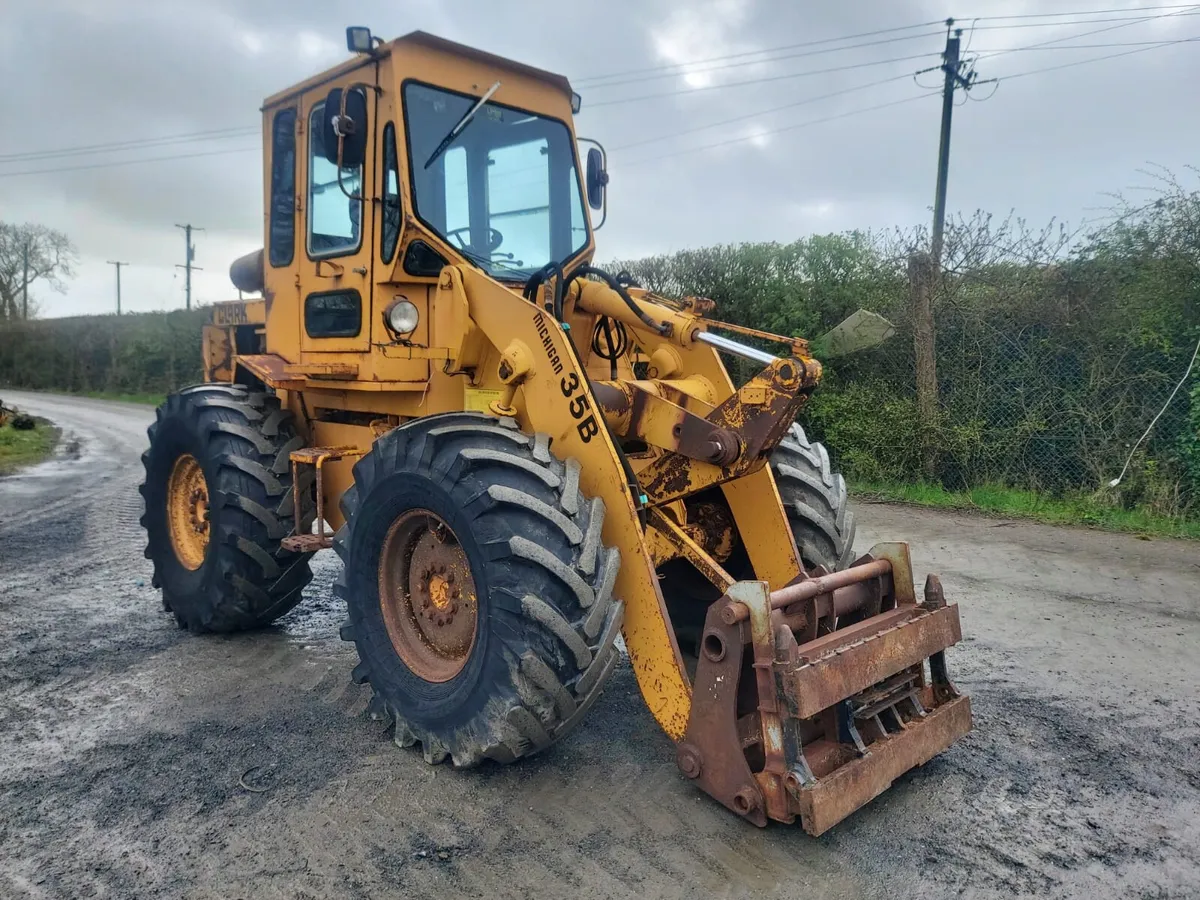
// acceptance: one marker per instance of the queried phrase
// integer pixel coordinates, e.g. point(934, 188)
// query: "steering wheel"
point(495, 238)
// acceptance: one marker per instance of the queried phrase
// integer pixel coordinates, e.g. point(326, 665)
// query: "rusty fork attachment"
point(810, 700)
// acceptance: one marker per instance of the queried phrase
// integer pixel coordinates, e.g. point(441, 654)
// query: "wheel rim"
point(427, 595)
point(187, 512)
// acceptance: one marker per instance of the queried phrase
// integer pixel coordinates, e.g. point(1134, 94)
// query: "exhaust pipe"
point(247, 273)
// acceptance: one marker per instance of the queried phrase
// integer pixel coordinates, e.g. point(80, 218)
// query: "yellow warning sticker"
point(477, 399)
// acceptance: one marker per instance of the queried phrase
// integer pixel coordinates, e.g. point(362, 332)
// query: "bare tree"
point(51, 259)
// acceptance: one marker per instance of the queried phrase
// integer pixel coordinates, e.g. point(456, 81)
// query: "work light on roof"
point(358, 39)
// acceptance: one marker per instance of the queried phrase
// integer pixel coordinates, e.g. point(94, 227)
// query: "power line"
point(1084, 62)
point(131, 143)
point(1073, 37)
point(1090, 46)
point(231, 132)
point(1109, 26)
point(684, 67)
point(849, 37)
point(733, 84)
point(1085, 12)
point(130, 162)
point(761, 112)
point(690, 68)
point(1128, 20)
point(1069, 37)
point(854, 112)
point(775, 109)
point(762, 134)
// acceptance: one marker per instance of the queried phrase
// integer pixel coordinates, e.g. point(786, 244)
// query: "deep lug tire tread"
point(246, 439)
point(559, 636)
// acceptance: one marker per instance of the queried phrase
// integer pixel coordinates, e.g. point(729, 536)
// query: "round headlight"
point(402, 317)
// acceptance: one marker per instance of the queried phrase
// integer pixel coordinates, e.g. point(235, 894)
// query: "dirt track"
point(122, 739)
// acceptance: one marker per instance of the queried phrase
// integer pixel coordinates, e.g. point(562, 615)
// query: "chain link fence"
point(1054, 351)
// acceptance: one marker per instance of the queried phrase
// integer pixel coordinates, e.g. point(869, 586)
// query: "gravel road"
point(137, 761)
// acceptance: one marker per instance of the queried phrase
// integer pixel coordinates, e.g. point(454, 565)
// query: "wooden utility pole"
point(25, 283)
point(190, 255)
point(118, 265)
point(924, 270)
point(922, 275)
point(950, 66)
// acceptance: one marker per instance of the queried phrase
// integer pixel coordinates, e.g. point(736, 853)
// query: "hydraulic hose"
point(536, 280)
point(662, 328)
point(561, 283)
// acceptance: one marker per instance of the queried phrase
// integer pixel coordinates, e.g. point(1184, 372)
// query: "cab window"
point(334, 219)
point(389, 235)
point(283, 188)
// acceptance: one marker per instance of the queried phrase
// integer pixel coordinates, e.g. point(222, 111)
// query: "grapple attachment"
point(810, 700)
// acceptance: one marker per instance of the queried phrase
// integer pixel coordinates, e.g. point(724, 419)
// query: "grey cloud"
point(1049, 145)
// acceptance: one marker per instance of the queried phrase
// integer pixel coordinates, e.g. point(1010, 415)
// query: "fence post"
point(921, 280)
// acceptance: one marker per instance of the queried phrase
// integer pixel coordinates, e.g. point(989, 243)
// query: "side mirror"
point(350, 125)
point(597, 178)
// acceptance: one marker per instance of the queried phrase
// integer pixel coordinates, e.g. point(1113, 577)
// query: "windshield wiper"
point(487, 261)
point(460, 125)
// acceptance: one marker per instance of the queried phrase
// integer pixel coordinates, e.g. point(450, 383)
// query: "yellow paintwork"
point(543, 405)
point(480, 346)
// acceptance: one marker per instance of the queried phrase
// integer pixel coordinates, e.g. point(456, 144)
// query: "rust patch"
point(270, 370)
point(714, 521)
point(809, 588)
point(855, 658)
point(685, 546)
point(632, 411)
point(711, 752)
point(427, 595)
point(851, 786)
point(759, 414)
point(299, 541)
point(829, 723)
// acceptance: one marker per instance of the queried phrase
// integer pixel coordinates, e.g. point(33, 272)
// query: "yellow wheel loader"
point(520, 457)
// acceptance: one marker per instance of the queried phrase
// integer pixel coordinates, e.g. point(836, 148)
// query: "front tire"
point(470, 501)
point(218, 499)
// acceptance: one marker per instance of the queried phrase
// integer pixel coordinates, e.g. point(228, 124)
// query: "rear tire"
point(816, 501)
point(541, 588)
point(218, 560)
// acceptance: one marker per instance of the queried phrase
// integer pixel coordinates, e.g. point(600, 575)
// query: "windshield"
point(504, 192)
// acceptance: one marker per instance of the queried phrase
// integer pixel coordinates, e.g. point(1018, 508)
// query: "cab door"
point(335, 270)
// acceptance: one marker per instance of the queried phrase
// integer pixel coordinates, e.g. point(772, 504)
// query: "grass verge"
point(24, 448)
point(1003, 501)
point(144, 399)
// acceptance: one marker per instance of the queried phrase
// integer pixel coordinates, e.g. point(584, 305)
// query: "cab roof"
point(433, 42)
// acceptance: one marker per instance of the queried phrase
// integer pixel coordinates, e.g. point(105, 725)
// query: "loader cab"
point(410, 156)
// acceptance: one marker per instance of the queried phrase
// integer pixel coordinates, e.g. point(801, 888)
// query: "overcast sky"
point(77, 73)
